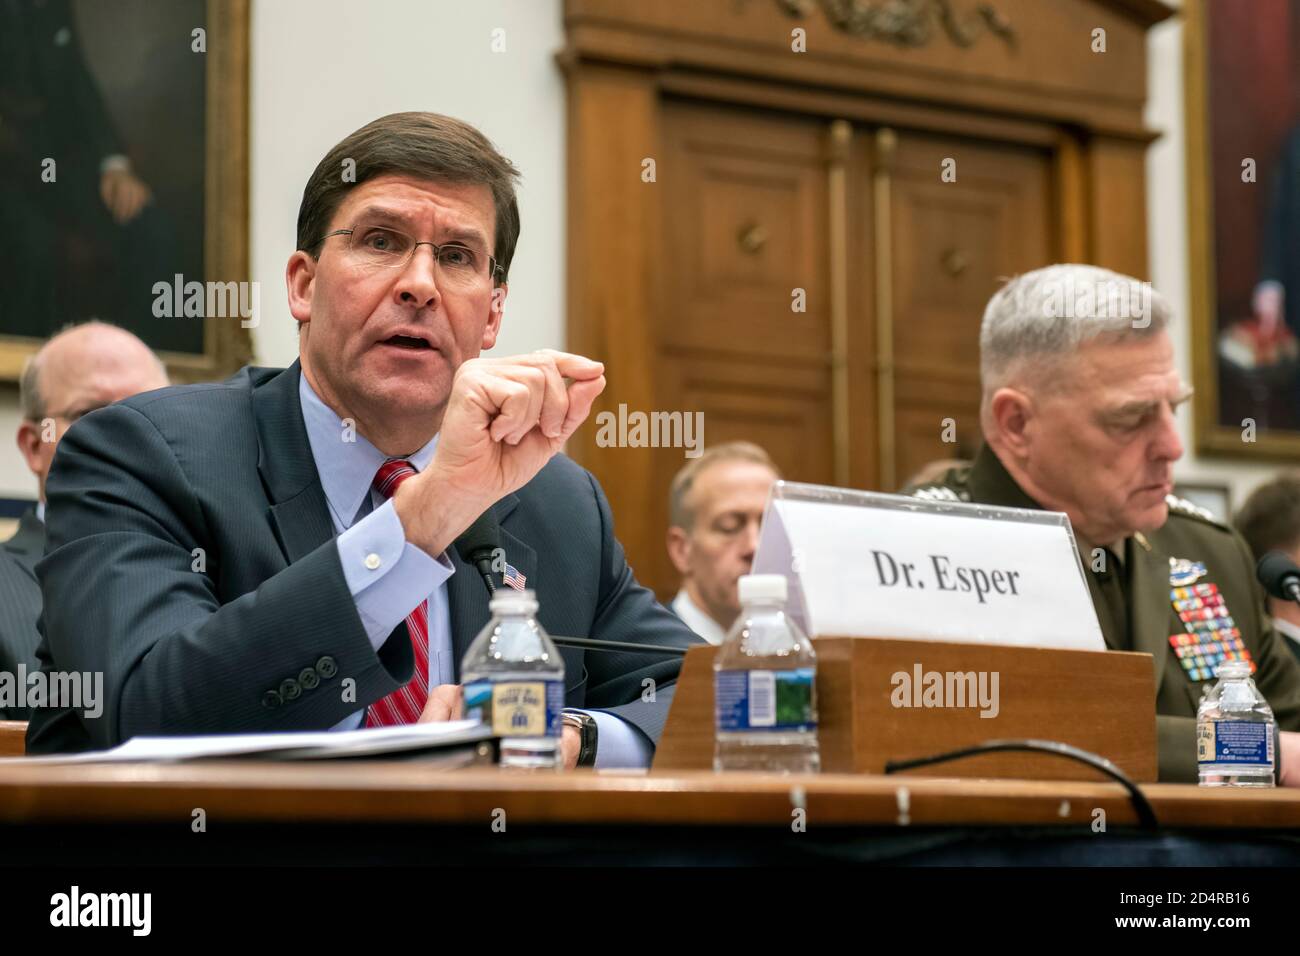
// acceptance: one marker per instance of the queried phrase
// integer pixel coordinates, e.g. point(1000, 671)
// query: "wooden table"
point(324, 814)
point(381, 792)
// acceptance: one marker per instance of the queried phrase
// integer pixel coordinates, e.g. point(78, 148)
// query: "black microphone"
point(478, 543)
point(1279, 575)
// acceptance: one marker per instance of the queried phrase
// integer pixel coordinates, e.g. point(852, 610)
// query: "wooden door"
point(963, 215)
point(744, 332)
point(768, 287)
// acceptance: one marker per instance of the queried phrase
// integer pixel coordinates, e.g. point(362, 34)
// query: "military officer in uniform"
point(1080, 389)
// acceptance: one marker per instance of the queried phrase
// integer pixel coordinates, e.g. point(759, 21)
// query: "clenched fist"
point(505, 419)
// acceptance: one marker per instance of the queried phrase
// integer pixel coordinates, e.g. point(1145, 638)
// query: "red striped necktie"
point(404, 705)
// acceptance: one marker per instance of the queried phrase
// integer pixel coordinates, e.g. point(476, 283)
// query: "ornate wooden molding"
point(906, 23)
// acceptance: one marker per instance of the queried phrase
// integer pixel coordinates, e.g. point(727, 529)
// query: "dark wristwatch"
point(586, 725)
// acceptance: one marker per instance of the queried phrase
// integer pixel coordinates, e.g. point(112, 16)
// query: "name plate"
point(863, 564)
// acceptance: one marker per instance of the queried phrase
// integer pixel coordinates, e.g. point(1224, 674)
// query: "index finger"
point(573, 366)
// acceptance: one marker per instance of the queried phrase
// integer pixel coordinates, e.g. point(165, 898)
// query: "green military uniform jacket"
point(1189, 533)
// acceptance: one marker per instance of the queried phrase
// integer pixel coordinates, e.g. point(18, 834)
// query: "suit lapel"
point(467, 596)
point(299, 513)
point(28, 543)
point(1149, 599)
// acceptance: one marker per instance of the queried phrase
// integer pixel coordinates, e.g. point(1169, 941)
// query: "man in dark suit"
point(80, 369)
point(1270, 521)
point(20, 601)
point(274, 552)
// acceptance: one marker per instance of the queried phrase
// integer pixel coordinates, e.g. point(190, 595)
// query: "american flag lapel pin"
point(514, 578)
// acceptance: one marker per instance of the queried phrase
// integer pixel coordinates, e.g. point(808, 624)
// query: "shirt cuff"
point(618, 743)
point(354, 721)
point(387, 575)
point(115, 163)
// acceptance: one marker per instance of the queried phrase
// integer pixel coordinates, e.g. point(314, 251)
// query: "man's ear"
point(29, 443)
point(495, 315)
point(679, 549)
point(1012, 411)
point(299, 276)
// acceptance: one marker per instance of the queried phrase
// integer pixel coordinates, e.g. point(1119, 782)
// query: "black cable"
point(1146, 814)
point(591, 644)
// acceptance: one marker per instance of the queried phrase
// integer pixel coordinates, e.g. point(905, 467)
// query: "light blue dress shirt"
point(388, 576)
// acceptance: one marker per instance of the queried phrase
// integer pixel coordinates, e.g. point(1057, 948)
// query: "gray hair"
point(31, 403)
point(1052, 311)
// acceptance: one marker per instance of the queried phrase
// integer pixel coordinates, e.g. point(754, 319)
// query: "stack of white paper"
point(310, 745)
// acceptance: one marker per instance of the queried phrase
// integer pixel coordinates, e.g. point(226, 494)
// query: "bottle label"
point(516, 708)
point(1234, 742)
point(764, 700)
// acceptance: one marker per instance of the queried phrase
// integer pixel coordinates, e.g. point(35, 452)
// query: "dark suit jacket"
point(141, 491)
point(20, 601)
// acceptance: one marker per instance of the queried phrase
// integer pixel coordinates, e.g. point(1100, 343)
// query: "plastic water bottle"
point(1234, 731)
point(513, 681)
point(764, 686)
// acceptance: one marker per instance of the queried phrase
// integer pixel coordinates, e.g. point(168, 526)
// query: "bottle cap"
point(763, 587)
point(1232, 670)
point(510, 601)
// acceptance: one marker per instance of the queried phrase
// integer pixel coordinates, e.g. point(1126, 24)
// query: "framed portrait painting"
point(1242, 83)
point(123, 177)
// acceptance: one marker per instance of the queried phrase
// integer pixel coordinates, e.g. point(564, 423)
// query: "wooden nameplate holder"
point(1101, 701)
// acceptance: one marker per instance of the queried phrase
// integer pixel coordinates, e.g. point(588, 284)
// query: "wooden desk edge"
point(241, 791)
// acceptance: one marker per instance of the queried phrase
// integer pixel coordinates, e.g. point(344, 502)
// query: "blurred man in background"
point(1270, 521)
point(75, 372)
point(715, 510)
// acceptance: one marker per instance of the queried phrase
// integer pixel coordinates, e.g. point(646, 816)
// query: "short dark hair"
point(1270, 518)
point(423, 145)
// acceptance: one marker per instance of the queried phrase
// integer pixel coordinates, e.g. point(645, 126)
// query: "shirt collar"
point(1287, 628)
point(346, 468)
point(693, 616)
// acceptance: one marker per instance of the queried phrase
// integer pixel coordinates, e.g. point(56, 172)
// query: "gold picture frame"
point(1211, 436)
point(227, 345)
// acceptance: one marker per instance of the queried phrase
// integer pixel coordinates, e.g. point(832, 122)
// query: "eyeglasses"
point(376, 247)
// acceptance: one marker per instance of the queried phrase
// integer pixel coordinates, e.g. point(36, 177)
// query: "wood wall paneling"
point(614, 270)
point(770, 177)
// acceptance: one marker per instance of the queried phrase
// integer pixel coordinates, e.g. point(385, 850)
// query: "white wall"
point(1167, 244)
point(15, 480)
point(323, 68)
